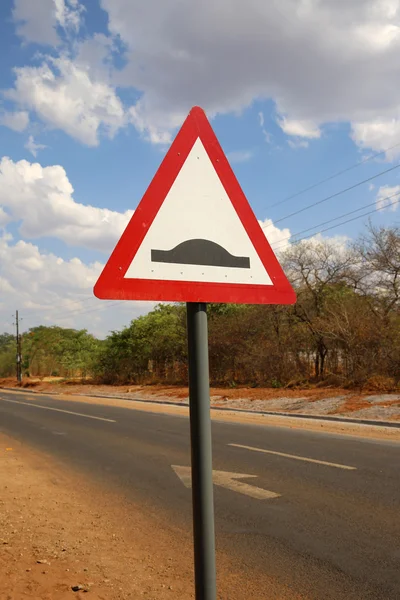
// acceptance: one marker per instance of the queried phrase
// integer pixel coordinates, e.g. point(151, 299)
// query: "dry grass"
point(352, 402)
point(172, 391)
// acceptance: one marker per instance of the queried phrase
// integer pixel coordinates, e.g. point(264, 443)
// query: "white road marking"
point(227, 480)
point(68, 412)
point(304, 458)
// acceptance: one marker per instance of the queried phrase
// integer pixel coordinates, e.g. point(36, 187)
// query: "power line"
point(342, 223)
point(89, 311)
point(352, 212)
point(331, 196)
point(333, 176)
point(69, 314)
point(32, 316)
point(85, 299)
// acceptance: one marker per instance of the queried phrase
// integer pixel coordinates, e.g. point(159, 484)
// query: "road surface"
point(318, 512)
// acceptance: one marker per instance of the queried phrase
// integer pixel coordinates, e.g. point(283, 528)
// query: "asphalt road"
point(329, 527)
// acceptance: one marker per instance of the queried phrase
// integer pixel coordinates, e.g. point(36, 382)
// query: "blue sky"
point(93, 92)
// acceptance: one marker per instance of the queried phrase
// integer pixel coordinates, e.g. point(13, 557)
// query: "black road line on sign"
point(200, 252)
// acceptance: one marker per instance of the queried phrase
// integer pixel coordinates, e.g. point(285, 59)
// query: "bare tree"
point(316, 269)
point(378, 253)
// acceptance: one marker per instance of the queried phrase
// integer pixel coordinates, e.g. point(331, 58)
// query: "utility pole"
point(19, 365)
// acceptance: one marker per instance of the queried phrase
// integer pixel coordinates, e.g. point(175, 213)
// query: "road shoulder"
point(59, 531)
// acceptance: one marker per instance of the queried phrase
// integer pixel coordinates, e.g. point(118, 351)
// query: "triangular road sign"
point(194, 237)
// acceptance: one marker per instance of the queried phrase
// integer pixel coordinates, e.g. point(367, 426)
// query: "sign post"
point(194, 238)
point(200, 437)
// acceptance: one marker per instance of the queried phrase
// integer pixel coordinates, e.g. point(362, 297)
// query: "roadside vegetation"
point(343, 331)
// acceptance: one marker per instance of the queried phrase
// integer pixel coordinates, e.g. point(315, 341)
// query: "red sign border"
point(112, 285)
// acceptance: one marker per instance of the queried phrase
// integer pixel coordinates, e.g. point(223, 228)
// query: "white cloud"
point(239, 156)
point(64, 95)
point(378, 36)
point(69, 14)
point(38, 21)
point(5, 287)
point(17, 121)
point(306, 129)
point(337, 245)
point(339, 242)
point(379, 133)
point(49, 290)
point(33, 147)
point(94, 54)
point(23, 260)
point(321, 61)
point(282, 239)
point(41, 200)
point(278, 238)
point(152, 133)
point(32, 273)
point(266, 134)
point(295, 144)
point(4, 217)
point(388, 197)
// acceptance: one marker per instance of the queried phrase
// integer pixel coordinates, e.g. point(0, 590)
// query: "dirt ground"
point(316, 401)
point(59, 531)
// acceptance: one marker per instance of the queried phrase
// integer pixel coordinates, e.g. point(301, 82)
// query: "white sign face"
point(196, 234)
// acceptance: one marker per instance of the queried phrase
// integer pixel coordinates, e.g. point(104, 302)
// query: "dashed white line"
point(295, 457)
point(68, 412)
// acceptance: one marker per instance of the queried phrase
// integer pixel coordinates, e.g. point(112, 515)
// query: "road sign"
point(194, 237)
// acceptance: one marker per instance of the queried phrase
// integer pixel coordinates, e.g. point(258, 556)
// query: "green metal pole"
point(19, 365)
point(200, 433)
